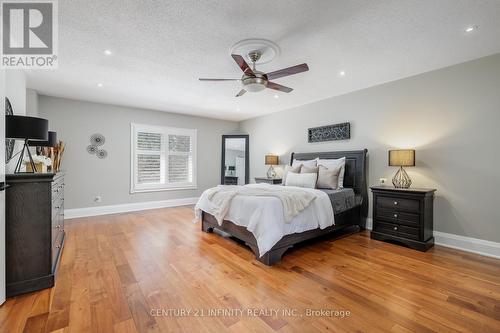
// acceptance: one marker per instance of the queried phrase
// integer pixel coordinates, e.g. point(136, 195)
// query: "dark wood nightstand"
point(272, 181)
point(404, 216)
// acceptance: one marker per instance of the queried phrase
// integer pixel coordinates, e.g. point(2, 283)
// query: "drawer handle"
point(396, 216)
point(57, 207)
point(395, 228)
point(395, 203)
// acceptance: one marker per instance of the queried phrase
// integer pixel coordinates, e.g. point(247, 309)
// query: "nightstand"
point(272, 181)
point(404, 216)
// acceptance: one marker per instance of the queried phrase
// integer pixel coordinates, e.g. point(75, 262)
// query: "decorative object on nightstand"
point(268, 180)
point(26, 128)
point(404, 216)
point(401, 158)
point(271, 160)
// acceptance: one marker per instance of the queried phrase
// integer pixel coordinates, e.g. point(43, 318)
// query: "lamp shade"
point(21, 127)
point(51, 142)
point(402, 157)
point(271, 160)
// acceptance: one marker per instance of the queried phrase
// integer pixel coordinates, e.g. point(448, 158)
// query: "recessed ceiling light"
point(276, 96)
point(100, 85)
point(342, 73)
point(108, 52)
point(471, 28)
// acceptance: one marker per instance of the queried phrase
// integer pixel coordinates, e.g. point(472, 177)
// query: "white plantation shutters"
point(162, 158)
point(180, 162)
point(149, 159)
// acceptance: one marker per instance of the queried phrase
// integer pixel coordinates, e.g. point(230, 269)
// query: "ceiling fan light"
point(254, 84)
point(255, 87)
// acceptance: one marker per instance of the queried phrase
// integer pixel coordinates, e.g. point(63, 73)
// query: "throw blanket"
point(294, 200)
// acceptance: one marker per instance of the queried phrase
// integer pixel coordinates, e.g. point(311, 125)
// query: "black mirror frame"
point(247, 153)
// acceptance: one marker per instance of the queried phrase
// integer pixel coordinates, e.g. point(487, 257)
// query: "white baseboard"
point(123, 208)
point(467, 244)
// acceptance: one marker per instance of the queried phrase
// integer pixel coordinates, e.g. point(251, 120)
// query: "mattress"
point(343, 199)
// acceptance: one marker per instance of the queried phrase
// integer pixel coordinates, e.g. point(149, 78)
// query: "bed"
point(350, 207)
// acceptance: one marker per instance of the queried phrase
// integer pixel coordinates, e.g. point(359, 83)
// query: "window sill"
point(133, 191)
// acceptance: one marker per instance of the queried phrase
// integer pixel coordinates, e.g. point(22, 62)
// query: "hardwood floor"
point(124, 273)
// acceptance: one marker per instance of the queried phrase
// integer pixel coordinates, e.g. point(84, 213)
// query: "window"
point(163, 158)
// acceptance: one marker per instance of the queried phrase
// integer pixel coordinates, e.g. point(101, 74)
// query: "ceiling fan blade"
point(242, 64)
point(241, 93)
point(279, 87)
point(287, 71)
point(205, 79)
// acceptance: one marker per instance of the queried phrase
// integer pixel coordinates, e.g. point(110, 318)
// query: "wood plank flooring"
point(138, 272)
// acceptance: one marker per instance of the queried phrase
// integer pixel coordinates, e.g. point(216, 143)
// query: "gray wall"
point(88, 176)
point(450, 116)
point(15, 90)
point(31, 103)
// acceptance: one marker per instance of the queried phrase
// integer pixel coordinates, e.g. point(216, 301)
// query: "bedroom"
point(366, 132)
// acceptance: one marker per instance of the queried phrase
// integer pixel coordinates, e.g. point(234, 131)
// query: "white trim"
point(468, 244)
point(463, 243)
point(123, 208)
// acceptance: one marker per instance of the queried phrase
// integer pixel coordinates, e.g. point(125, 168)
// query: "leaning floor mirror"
point(234, 164)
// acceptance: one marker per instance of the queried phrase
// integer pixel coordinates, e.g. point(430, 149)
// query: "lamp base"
point(271, 173)
point(401, 179)
point(21, 158)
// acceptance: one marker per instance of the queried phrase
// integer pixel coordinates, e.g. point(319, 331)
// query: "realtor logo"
point(29, 34)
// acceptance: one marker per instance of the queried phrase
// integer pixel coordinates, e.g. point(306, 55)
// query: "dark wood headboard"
point(355, 170)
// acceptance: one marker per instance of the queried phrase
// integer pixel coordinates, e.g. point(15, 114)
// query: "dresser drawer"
point(396, 230)
point(398, 217)
point(56, 247)
point(408, 232)
point(386, 228)
point(398, 204)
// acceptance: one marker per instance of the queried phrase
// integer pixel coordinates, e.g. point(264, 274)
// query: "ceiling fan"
point(254, 80)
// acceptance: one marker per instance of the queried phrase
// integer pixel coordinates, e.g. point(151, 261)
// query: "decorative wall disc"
point(97, 139)
point(101, 153)
point(91, 149)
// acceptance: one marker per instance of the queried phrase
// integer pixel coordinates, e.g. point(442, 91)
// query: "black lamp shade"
point(21, 127)
point(51, 142)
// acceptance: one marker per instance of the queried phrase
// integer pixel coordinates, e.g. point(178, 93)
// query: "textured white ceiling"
point(160, 48)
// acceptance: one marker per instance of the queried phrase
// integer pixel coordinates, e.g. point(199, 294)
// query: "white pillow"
point(328, 178)
point(307, 180)
point(306, 163)
point(332, 164)
point(290, 169)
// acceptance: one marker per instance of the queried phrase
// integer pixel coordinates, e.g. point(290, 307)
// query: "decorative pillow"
point(332, 163)
point(308, 163)
point(290, 169)
point(307, 180)
point(328, 178)
point(305, 169)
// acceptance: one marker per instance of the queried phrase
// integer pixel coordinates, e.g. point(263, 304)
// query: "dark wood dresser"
point(404, 216)
point(272, 181)
point(34, 219)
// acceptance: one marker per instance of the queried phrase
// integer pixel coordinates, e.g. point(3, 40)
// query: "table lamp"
point(26, 128)
point(271, 160)
point(401, 158)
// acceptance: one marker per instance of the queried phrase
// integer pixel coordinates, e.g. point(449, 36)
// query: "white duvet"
point(264, 217)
